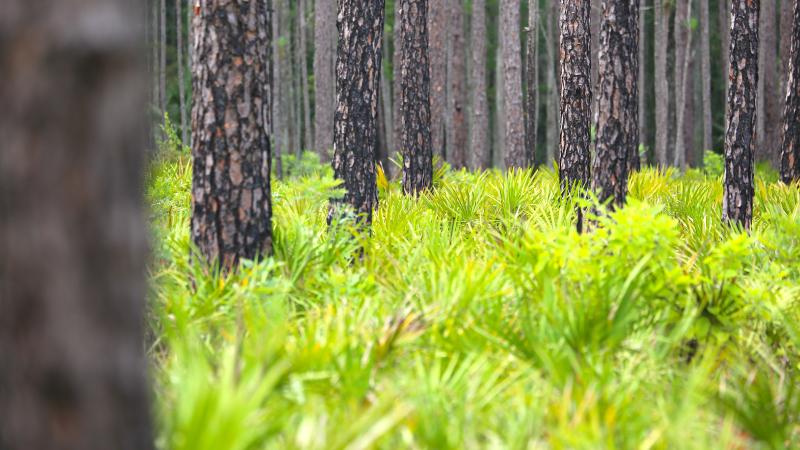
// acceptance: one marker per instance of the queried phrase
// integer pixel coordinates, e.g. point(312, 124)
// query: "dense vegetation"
point(476, 317)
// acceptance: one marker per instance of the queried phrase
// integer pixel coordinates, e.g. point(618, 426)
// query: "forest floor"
point(478, 317)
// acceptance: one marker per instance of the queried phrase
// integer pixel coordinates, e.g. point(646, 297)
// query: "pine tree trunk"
point(397, 78)
point(156, 36)
point(415, 84)
point(724, 7)
point(740, 134)
point(358, 73)
point(576, 95)
point(279, 125)
point(480, 153)
point(499, 141)
point(162, 49)
point(553, 99)
point(786, 17)
point(532, 81)
point(705, 68)
point(296, 90)
point(231, 207)
point(515, 154)
point(302, 53)
point(324, 88)
point(769, 130)
point(683, 55)
point(387, 110)
point(457, 75)
point(181, 79)
point(72, 229)
point(618, 115)
point(595, 18)
point(790, 155)
point(634, 160)
point(437, 34)
point(662, 83)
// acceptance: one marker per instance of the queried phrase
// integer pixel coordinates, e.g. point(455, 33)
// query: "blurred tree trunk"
point(358, 73)
point(515, 154)
point(662, 15)
point(181, 79)
point(437, 33)
point(387, 119)
point(786, 17)
point(302, 53)
point(480, 154)
point(231, 207)
point(279, 122)
point(683, 85)
point(72, 230)
point(705, 76)
point(162, 54)
point(397, 88)
point(532, 81)
point(790, 155)
point(324, 87)
point(634, 162)
point(457, 96)
point(595, 19)
point(295, 83)
point(724, 7)
point(740, 135)
point(415, 84)
point(499, 141)
point(769, 93)
point(617, 127)
point(553, 102)
point(576, 96)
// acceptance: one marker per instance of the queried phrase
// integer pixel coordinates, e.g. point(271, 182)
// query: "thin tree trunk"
point(532, 81)
point(787, 6)
point(683, 55)
point(740, 135)
point(397, 78)
point(457, 76)
point(515, 154)
point(769, 121)
point(595, 19)
point(553, 101)
point(358, 73)
point(480, 154)
point(324, 87)
point(387, 109)
point(278, 94)
point(437, 33)
point(790, 155)
point(724, 7)
point(162, 49)
point(308, 128)
point(634, 160)
point(662, 83)
point(415, 84)
point(705, 64)
point(72, 229)
point(231, 206)
point(181, 80)
point(618, 115)
point(576, 96)
point(296, 89)
point(499, 150)
point(156, 36)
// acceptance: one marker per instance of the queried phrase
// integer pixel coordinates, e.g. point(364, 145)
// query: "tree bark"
point(358, 73)
point(437, 34)
point(705, 68)
point(662, 15)
point(634, 160)
point(740, 134)
point(181, 79)
point(769, 94)
point(415, 84)
point(457, 75)
point(302, 52)
point(683, 85)
point(231, 207)
point(324, 88)
point(162, 55)
point(515, 154)
point(618, 115)
point(553, 98)
point(532, 81)
point(479, 128)
point(279, 121)
point(724, 7)
point(72, 228)
point(576, 95)
point(787, 6)
point(397, 78)
point(790, 154)
point(387, 111)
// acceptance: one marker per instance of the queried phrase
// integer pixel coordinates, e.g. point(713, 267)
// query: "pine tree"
point(662, 15)
point(480, 152)
point(457, 90)
point(515, 154)
point(532, 81)
point(790, 151)
point(437, 40)
point(324, 86)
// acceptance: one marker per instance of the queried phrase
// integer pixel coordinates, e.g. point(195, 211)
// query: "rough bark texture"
point(576, 94)
point(457, 81)
point(705, 76)
point(324, 88)
point(231, 208)
point(790, 150)
point(662, 14)
point(358, 72)
point(618, 115)
point(181, 79)
point(72, 228)
point(769, 123)
point(480, 152)
point(437, 34)
point(515, 154)
point(415, 84)
point(302, 59)
point(683, 83)
point(740, 134)
point(634, 160)
point(532, 81)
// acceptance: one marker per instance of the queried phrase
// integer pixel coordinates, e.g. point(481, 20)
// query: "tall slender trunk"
point(324, 88)
point(437, 33)
point(397, 88)
point(415, 84)
point(156, 58)
point(358, 73)
point(769, 121)
point(499, 140)
point(705, 76)
point(480, 154)
point(72, 231)
point(786, 17)
point(662, 15)
point(296, 88)
point(724, 9)
point(515, 154)
point(595, 18)
point(387, 109)
point(618, 115)
point(457, 80)
point(740, 135)
point(181, 80)
point(790, 155)
point(302, 53)
point(634, 160)
point(532, 81)
point(279, 126)
point(231, 205)
point(162, 55)
point(576, 96)
point(683, 55)
point(552, 129)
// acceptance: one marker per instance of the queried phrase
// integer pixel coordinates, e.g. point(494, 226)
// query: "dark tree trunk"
point(705, 76)
point(72, 230)
point(532, 81)
point(662, 14)
point(231, 207)
point(437, 33)
point(162, 55)
point(553, 126)
point(387, 112)
point(457, 76)
point(634, 160)
point(617, 122)
point(279, 126)
point(769, 131)
point(724, 7)
point(790, 154)
point(515, 154)
point(576, 94)
point(181, 80)
point(302, 63)
point(415, 139)
point(740, 135)
point(396, 86)
point(480, 153)
point(324, 88)
point(358, 73)
point(683, 84)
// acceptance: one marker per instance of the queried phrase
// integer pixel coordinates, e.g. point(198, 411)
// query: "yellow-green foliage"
point(478, 318)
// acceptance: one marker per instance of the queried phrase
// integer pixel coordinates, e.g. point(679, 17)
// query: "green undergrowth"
point(477, 317)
